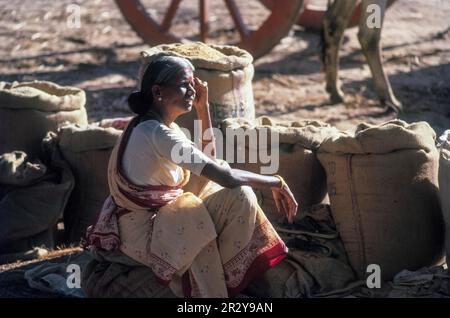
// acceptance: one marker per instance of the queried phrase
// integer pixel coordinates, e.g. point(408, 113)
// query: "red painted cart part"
point(258, 42)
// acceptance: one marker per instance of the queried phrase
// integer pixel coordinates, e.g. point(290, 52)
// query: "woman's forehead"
point(186, 74)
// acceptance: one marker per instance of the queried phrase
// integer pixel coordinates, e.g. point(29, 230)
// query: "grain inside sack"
point(228, 71)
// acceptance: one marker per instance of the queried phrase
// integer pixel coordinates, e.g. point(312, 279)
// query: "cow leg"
point(369, 38)
point(336, 19)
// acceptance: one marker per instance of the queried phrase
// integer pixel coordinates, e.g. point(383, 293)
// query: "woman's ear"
point(157, 92)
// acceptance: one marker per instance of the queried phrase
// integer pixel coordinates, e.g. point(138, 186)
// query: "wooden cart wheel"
point(258, 41)
point(314, 13)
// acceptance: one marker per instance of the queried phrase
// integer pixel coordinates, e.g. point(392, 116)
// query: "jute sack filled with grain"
point(444, 189)
point(297, 161)
point(228, 71)
point(383, 187)
point(30, 109)
point(87, 150)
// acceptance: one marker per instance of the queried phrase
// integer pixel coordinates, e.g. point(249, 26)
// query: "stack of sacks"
point(296, 158)
point(87, 150)
point(33, 196)
point(383, 187)
point(228, 71)
point(30, 109)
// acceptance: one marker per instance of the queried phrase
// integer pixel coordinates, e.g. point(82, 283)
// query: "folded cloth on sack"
point(16, 169)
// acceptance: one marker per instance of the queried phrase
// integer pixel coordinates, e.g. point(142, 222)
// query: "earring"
point(160, 98)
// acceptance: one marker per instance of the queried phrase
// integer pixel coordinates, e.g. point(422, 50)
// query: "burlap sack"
point(298, 163)
point(444, 189)
point(29, 214)
point(87, 150)
point(383, 187)
point(29, 110)
point(228, 71)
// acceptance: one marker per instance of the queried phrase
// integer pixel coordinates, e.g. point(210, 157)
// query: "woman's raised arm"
point(202, 107)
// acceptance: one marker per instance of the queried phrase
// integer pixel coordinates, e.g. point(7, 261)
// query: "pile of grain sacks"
point(35, 181)
point(382, 181)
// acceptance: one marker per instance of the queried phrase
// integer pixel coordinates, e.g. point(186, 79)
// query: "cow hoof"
point(335, 93)
point(336, 98)
point(393, 105)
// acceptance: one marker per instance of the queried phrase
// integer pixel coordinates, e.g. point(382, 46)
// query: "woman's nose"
point(190, 91)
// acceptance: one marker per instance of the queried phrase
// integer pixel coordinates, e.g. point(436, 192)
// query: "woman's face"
point(179, 94)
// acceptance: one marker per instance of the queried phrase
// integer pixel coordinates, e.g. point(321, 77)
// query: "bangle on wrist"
point(207, 141)
point(283, 183)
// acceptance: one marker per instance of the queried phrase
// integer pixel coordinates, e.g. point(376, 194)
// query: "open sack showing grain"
point(383, 187)
point(86, 149)
point(33, 196)
point(30, 109)
point(292, 156)
point(444, 189)
point(228, 71)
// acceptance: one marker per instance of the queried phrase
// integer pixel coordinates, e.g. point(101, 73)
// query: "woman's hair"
point(161, 70)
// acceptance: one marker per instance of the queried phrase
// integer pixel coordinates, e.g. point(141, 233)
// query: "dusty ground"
point(102, 57)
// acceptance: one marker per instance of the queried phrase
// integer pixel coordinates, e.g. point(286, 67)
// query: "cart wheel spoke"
point(170, 14)
point(258, 41)
point(237, 18)
point(204, 19)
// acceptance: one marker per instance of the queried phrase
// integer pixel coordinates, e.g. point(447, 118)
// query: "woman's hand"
point(201, 94)
point(285, 201)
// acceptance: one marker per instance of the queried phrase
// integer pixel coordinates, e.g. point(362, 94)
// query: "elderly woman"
point(208, 245)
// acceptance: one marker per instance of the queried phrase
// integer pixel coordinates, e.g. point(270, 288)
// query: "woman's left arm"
point(202, 107)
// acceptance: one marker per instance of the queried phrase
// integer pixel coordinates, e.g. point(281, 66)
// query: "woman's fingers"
point(291, 204)
point(285, 202)
point(200, 82)
point(276, 198)
point(285, 206)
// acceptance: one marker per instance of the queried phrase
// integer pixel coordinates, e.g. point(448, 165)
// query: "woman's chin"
point(186, 107)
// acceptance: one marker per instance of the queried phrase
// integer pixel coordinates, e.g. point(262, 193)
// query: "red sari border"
point(261, 264)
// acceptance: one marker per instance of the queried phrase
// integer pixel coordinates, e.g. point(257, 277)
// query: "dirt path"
point(101, 57)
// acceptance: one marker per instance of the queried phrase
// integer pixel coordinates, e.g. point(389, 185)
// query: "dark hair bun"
point(138, 103)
